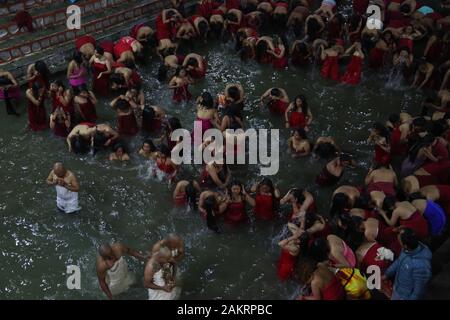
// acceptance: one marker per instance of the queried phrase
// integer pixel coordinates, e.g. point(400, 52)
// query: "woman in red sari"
point(277, 100)
point(380, 137)
point(37, 116)
point(297, 114)
point(102, 69)
point(330, 58)
point(60, 122)
point(279, 60)
point(378, 54)
point(265, 200)
point(352, 75)
point(179, 83)
point(235, 201)
point(126, 120)
point(85, 102)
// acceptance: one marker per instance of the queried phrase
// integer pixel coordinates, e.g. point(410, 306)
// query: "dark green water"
point(122, 203)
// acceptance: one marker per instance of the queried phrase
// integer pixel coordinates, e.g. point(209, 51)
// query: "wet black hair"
point(394, 118)
point(382, 130)
point(117, 78)
point(363, 201)
point(405, 8)
point(162, 72)
point(122, 105)
point(245, 52)
point(202, 27)
point(231, 16)
point(304, 104)
point(279, 19)
point(438, 128)
point(150, 143)
point(313, 27)
point(354, 21)
point(164, 150)
point(419, 122)
point(77, 57)
point(233, 110)
point(178, 71)
point(192, 62)
point(36, 86)
point(234, 93)
point(340, 204)
point(79, 145)
point(99, 141)
point(275, 92)
point(319, 250)
point(216, 29)
point(260, 50)
point(118, 146)
point(100, 50)
point(191, 195)
point(326, 150)
point(301, 132)
point(409, 238)
point(297, 28)
point(206, 100)
point(298, 195)
point(389, 205)
point(174, 123)
point(148, 114)
point(41, 67)
point(209, 204)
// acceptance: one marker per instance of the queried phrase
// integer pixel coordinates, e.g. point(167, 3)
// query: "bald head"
point(59, 170)
point(164, 254)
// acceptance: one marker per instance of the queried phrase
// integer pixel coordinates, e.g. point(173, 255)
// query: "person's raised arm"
point(132, 252)
point(50, 180)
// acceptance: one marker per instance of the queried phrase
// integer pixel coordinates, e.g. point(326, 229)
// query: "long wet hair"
point(326, 150)
point(313, 27)
point(41, 67)
point(422, 143)
point(303, 106)
point(339, 204)
point(382, 131)
point(319, 250)
point(216, 29)
point(234, 93)
point(209, 205)
point(77, 56)
point(206, 100)
point(79, 145)
point(191, 195)
point(260, 50)
point(99, 141)
point(148, 114)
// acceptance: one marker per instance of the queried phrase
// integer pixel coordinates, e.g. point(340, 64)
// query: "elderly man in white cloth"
point(160, 276)
point(112, 268)
point(66, 186)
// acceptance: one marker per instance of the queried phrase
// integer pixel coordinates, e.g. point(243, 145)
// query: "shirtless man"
point(112, 268)
point(160, 276)
point(88, 133)
point(174, 243)
point(67, 188)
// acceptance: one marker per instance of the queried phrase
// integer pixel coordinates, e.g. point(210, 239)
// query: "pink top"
point(78, 77)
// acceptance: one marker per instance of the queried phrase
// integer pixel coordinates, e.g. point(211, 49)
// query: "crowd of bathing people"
point(392, 220)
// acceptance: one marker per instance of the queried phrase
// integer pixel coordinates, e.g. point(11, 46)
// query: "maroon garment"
point(127, 125)
point(24, 20)
point(37, 116)
point(88, 112)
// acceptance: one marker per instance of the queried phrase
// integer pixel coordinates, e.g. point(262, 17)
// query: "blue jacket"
point(412, 271)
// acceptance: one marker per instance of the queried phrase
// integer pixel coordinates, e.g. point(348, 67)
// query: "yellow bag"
point(354, 283)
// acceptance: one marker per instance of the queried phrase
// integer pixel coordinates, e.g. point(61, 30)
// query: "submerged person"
point(101, 72)
point(298, 115)
point(234, 204)
point(126, 119)
point(266, 198)
point(112, 269)
point(299, 143)
point(148, 150)
point(66, 186)
point(84, 105)
point(119, 154)
point(160, 276)
point(352, 74)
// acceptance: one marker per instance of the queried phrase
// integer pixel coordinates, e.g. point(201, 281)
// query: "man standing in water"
point(112, 268)
point(174, 243)
point(67, 188)
point(160, 276)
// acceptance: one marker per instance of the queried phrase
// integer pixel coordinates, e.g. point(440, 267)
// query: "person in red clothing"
point(126, 120)
point(232, 4)
point(127, 49)
point(24, 20)
point(142, 33)
point(86, 45)
point(266, 199)
point(298, 115)
point(195, 66)
point(321, 282)
point(379, 136)
point(186, 193)
point(276, 99)
point(179, 83)
point(280, 59)
point(399, 135)
point(37, 115)
point(164, 164)
point(330, 58)
point(235, 201)
point(302, 202)
point(360, 6)
point(101, 71)
point(352, 75)
point(371, 253)
point(205, 8)
point(384, 46)
point(38, 72)
point(60, 122)
point(84, 105)
point(264, 44)
point(290, 249)
point(234, 20)
point(201, 26)
point(211, 206)
point(280, 13)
